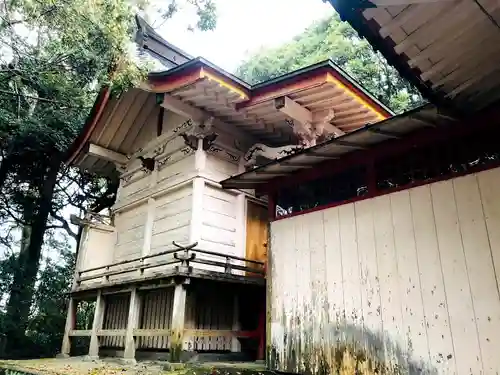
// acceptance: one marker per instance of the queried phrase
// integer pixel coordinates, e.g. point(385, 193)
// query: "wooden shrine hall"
point(384, 257)
point(178, 265)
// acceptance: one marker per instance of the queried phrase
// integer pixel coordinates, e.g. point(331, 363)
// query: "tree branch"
point(66, 105)
point(64, 224)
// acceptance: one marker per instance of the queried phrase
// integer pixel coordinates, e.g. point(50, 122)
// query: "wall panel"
point(220, 226)
point(130, 232)
point(156, 314)
point(172, 218)
point(402, 283)
point(115, 317)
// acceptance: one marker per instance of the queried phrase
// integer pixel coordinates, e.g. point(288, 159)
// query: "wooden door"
point(256, 243)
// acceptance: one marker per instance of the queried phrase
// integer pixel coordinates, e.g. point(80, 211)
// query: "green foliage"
point(206, 12)
point(335, 40)
point(54, 57)
point(47, 316)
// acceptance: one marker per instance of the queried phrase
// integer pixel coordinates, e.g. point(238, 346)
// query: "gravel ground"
point(82, 366)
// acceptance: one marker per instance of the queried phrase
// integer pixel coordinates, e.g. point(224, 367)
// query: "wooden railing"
point(183, 258)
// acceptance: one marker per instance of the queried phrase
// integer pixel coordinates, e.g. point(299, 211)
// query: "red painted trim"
point(227, 79)
point(486, 120)
point(190, 75)
point(359, 93)
point(305, 81)
point(385, 149)
point(379, 193)
point(96, 113)
point(176, 80)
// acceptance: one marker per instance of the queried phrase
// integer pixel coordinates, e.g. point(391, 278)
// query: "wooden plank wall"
point(96, 250)
point(115, 317)
point(130, 232)
point(220, 226)
point(156, 314)
point(219, 167)
point(404, 282)
point(172, 215)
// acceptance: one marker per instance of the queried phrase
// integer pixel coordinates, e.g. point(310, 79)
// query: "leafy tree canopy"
point(55, 55)
point(336, 40)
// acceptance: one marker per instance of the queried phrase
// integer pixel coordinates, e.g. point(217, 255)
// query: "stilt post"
point(132, 323)
point(178, 318)
point(96, 325)
point(235, 343)
point(262, 333)
point(70, 325)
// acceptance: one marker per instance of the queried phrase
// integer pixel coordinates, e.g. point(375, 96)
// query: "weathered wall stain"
point(405, 283)
point(342, 349)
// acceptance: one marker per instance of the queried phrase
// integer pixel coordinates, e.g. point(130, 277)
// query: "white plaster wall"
point(407, 280)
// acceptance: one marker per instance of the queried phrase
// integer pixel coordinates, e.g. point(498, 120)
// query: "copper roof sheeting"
point(449, 49)
point(338, 148)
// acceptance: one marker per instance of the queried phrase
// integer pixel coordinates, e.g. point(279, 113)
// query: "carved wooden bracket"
point(309, 127)
point(200, 131)
point(269, 153)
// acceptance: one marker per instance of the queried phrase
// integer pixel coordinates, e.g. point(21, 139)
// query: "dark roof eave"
point(92, 119)
point(227, 183)
point(198, 63)
point(350, 11)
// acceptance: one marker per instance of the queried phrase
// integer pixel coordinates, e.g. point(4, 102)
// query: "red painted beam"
point(383, 150)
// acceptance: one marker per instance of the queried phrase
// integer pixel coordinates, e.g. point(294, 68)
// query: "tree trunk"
point(23, 284)
point(5, 169)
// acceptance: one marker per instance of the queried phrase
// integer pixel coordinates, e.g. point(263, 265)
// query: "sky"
point(242, 27)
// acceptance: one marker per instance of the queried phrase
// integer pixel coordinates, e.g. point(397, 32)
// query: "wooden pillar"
point(178, 318)
point(96, 325)
point(196, 223)
point(70, 325)
point(132, 323)
point(148, 228)
point(262, 333)
point(235, 343)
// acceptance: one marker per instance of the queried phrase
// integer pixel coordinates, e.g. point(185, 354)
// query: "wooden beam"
point(152, 332)
point(463, 59)
point(293, 110)
point(183, 109)
point(457, 42)
point(446, 20)
point(107, 154)
point(112, 332)
point(323, 124)
point(298, 113)
point(473, 70)
point(401, 18)
point(198, 115)
point(178, 318)
point(80, 333)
